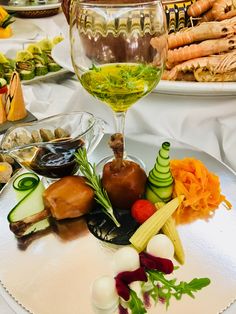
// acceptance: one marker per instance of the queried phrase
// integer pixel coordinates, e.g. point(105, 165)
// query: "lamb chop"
point(68, 197)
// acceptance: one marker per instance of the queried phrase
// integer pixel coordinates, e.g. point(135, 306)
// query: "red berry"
point(141, 210)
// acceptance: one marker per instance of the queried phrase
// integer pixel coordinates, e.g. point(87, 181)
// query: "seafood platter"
point(126, 240)
point(206, 51)
point(201, 55)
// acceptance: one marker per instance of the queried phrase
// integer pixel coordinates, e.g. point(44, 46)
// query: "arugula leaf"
point(165, 289)
point(135, 304)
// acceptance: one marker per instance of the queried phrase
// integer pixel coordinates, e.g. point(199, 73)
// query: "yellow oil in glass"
point(120, 85)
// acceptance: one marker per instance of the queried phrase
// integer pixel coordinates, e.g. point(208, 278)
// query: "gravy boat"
point(47, 146)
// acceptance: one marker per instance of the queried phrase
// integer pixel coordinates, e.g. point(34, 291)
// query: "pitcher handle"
point(98, 130)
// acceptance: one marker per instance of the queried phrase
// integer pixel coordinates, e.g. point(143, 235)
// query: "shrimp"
point(199, 7)
point(224, 71)
point(213, 63)
point(206, 76)
point(205, 48)
point(207, 17)
point(223, 9)
point(203, 31)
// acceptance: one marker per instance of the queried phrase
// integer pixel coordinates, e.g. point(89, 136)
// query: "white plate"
point(32, 7)
point(61, 54)
point(24, 29)
point(11, 53)
point(53, 276)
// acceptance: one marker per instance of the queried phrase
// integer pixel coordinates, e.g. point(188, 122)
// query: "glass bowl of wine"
point(47, 146)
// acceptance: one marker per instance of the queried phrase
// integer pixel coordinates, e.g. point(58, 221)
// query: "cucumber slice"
point(41, 69)
point(29, 190)
point(39, 59)
point(160, 183)
point(160, 180)
point(151, 196)
point(161, 175)
point(26, 75)
point(53, 67)
point(162, 193)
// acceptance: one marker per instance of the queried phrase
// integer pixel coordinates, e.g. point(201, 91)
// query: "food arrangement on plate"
point(205, 52)
point(125, 206)
point(5, 24)
point(12, 109)
point(34, 60)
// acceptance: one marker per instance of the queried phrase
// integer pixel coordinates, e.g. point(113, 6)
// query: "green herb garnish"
point(135, 304)
point(165, 289)
point(94, 180)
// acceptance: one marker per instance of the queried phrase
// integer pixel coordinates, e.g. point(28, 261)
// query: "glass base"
point(102, 162)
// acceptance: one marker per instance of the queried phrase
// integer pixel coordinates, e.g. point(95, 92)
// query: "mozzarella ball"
point(161, 246)
point(125, 259)
point(103, 294)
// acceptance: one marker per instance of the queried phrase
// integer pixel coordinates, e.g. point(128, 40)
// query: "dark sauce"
point(57, 161)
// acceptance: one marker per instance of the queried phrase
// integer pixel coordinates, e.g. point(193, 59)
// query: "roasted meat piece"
point(124, 180)
point(69, 197)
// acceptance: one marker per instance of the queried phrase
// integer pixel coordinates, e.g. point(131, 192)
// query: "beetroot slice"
point(152, 262)
point(122, 289)
point(124, 278)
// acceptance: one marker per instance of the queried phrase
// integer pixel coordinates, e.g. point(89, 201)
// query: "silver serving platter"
point(54, 275)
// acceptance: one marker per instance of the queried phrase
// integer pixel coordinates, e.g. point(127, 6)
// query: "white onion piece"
point(161, 246)
point(125, 259)
point(103, 294)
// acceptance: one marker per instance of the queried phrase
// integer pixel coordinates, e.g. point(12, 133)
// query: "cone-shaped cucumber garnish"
point(160, 181)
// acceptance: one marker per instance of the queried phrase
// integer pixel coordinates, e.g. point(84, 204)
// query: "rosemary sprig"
point(94, 180)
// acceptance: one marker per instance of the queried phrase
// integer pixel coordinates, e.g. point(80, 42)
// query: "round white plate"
point(54, 275)
point(32, 7)
point(24, 29)
point(61, 54)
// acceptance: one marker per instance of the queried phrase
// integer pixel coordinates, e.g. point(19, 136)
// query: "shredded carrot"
point(200, 187)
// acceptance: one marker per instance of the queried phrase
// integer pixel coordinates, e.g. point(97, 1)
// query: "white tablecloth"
point(208, 123)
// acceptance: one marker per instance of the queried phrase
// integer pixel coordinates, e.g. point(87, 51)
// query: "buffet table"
point(206, 122)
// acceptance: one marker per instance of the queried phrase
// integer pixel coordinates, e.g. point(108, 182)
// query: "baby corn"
point(153, 225)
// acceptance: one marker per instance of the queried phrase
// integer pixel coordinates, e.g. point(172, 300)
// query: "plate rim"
point(47, 6)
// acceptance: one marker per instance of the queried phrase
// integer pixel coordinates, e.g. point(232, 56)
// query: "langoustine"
point(223, 9)
point(204, 31)
point(199, 7)
point(212, 68)
point(204, 48)
point(212, 10)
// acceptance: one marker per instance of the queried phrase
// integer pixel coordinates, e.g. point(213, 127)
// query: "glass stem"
point(120, 126)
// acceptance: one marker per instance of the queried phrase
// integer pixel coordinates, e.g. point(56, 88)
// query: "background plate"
point(61, 54)
point(24, 30)
point(11, 54)
point(54, 274)
point(33, 6)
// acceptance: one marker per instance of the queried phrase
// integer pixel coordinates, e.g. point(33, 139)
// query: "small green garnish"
point(94, 180)
point(163, 288)
point(136, 305)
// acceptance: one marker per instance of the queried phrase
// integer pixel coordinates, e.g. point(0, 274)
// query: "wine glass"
point(118, 50)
